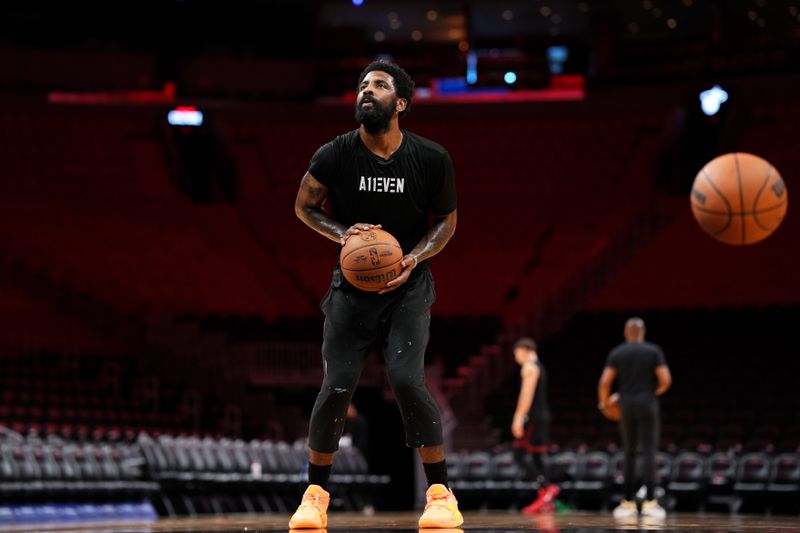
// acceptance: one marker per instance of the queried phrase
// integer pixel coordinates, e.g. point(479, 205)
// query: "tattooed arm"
point(436, 238)
point(433, 243)
point(308, 208)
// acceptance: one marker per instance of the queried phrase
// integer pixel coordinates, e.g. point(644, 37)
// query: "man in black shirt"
point(643, 375)
point(380, 176)
point(531, 424)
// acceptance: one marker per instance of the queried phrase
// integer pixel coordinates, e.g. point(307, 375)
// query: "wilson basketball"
point(612, 411)
point(739, 198)
point(371, 259)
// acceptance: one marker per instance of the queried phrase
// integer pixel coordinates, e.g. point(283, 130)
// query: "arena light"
point(185, 116)
point(358, 2)
point(472, 68)
point(510, 77)
point(712, 99)
point(556, 57)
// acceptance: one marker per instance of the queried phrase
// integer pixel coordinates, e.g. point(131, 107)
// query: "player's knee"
point(340, 383)
point(404, 384)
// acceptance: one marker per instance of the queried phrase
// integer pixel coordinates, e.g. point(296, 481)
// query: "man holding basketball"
point(643, 376)
point(380, 176)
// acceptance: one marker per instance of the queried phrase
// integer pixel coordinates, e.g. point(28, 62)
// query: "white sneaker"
point(626, 509)
point(651, 509)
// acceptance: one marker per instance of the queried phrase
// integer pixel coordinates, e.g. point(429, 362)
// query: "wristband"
point(415, 261)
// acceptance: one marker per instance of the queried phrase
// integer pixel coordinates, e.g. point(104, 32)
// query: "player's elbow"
point(448, 229)
point(452, 222)
point(605, 381)
point(664, 382)
point(300, 211)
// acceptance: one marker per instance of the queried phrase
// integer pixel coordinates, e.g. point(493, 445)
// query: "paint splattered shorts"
point(397, 324)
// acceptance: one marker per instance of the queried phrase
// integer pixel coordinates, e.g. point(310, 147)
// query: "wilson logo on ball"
point(381, 278)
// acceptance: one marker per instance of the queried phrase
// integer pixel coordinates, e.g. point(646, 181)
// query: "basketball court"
point(474, 521)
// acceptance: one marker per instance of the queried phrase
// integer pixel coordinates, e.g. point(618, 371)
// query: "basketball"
point(612, 411)
point(371, 259)
point(739, 198)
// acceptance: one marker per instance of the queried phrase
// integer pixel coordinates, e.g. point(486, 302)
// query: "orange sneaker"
point(441, 510)
point(313, 510)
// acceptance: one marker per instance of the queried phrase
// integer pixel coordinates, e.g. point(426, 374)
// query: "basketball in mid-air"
point(739, 198)
point(371, 259)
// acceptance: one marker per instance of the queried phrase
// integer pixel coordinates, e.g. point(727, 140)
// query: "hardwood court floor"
point(572, 522)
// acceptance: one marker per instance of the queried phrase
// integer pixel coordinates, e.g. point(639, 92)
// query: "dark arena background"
point(160, 329)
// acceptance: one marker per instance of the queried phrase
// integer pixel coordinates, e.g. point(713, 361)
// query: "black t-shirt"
point(398, 193)
point(635, 363)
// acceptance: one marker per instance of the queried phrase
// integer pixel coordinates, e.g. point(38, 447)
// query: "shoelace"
point(312, 500)
point(435, 500)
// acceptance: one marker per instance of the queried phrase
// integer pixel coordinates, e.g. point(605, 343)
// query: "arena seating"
point(270, 475)
point(703, 271)
point(28, 323)
point(526, 221)
point(248, 77)
point(178, 475)
point(95, 209)
point(82, 397)
point(37, 70)
point(697, 277)
point(88, 204)
point(36, 469)
point(593, 479)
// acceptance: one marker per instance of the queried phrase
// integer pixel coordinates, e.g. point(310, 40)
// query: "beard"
point(376, 120)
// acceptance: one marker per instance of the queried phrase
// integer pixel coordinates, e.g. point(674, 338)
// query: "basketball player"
point(380, 176)
point(643, 376)
point(531, 425)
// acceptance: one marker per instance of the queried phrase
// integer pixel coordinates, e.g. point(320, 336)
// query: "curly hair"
point(403, 84)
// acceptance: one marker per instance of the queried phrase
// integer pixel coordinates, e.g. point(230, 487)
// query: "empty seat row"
point(170, 470)
point(600, 475)
point(33, 467)
point(225, 461)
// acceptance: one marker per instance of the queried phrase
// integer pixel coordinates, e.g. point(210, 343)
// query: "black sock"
point(436, 473)
point(318, 475)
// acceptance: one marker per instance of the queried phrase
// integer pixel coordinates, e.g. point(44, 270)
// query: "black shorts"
point(536, 438)
point(398, 324)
